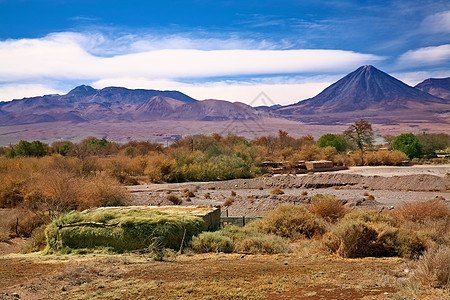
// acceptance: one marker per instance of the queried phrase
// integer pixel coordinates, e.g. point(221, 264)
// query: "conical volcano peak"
point(366, 87)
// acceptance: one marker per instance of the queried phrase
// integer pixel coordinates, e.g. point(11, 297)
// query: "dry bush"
point(267, 244)
point(212, 242)
point(103, 190)
point(290, 221)
point(37, 240)
point(304, 193)
point(385, 157)
point(228, 202)
point(276, 191)
point(175, 200)
point(211, 188)
point(21, 222)
point(350, 239)
point(362, 234)
point(371, 216)
point(248, 239)
point(160, 168)
point(366, 194)
point(188, 193)
point(233, 194)
point(260, 188)
point(433, 268)
point(55, 192)
point(207, 196)
point(419, 212)
point(327, 207)
point(370, 198)
point(430, 218)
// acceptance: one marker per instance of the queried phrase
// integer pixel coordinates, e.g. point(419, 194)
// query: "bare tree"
point(360, 134)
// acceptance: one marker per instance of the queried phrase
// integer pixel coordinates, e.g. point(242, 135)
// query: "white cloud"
point(426, 56)
point(67, 56)
point(19, 91)
point(288, 92)
point(437, 23)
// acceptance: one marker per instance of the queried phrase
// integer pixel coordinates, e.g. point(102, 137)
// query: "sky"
point(230, 50)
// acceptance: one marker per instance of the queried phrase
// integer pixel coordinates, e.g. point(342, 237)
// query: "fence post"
point(243, 220)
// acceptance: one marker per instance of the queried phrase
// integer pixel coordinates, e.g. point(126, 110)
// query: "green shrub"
point(121, 231)
point(290, 221)
point(212, 242)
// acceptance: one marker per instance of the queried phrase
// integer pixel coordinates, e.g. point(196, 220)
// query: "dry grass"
point(433, 268)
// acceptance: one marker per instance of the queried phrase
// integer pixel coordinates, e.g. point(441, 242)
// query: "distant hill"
point(439, 87)
point(365, 88)
point(117, 104)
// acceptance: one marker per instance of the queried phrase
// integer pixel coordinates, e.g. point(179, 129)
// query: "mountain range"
point(364, 93)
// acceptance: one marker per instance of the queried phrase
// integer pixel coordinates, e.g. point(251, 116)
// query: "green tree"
point(25, 148)
point(334, 140)
point(433, 141)
point(360, 134)
point(409, 144)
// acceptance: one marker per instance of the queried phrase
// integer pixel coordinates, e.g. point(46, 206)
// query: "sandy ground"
point(437, 170)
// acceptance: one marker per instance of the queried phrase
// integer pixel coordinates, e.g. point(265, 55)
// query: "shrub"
point(304, 193)
point(248, 239)
point(105, 191)
point(327, 207)
point(409, 144)
point(276, 191)
point(433, 268)
point(212, 242)
point(233, 194)
point(207, 196)
point(120, 230)
point(420, 212)
point(174, 199)
point(228, 202)
point(290, 221)
point(350, 239)
point(356, 237)
point(188, 193)
point(36, 242)
point(371, 216)
point(370, 198)
point(269, 244)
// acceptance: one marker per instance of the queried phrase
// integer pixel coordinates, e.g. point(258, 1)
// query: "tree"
point(409, 144)
point(361, 135)
point(334, 140)
point(24, 148)
point(433, 141)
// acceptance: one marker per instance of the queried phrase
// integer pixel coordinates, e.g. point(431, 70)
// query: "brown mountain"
point(363, 89)
point(439, 87)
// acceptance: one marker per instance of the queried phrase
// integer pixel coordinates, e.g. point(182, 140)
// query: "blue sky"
point(231, 50)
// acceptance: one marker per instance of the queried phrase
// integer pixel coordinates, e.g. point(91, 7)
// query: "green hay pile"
point(120, 231)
